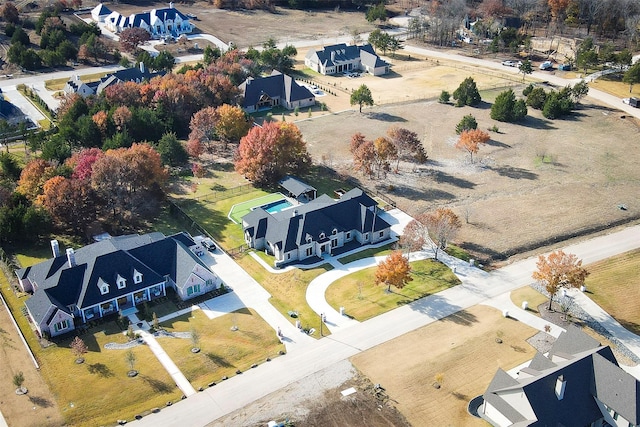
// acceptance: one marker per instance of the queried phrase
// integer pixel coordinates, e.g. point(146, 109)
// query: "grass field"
point(531, 296)
point(462, 348)
point(614, 284)
point(288, 290)
point(363, 299)
point(241, 209)
point(222, 350)
point(99, 392)
point(366, 253)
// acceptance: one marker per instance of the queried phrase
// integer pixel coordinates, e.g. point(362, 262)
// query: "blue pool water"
point(276, 206)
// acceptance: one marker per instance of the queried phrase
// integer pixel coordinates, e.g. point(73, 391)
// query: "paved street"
point(477, 287)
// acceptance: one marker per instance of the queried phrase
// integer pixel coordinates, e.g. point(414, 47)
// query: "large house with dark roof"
point(277, 89)
point(578, 383)
point(340, 58)
point(111, 276)
point(158, 23)
point(137, 74)
point(315, 228)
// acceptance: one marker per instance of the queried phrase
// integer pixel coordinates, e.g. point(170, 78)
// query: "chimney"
point(142, 67)
point(55, 248)
point(333, 55)
point(560, 386)
point(295, 213)
point(71, 258)
point(170, 5)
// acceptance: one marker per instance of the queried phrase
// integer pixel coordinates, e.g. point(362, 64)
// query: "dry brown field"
point(462, 348)
point(535, 183)
point(253, 27)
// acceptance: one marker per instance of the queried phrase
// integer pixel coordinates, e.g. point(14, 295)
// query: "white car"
point(509, 63)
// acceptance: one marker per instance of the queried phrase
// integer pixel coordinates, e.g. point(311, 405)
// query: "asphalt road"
point(477, 287)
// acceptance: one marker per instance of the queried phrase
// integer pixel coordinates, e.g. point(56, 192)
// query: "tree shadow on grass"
point(415, 194)
point(494, 143)
point(100, 369)
point(40, 401)
point(514, 173)
point(443, 177)
point(536, 123)
point(220, 361)
point(385, 117)
point(439, 308)
point(157, 385)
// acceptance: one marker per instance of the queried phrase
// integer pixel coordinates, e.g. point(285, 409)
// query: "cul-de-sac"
point(345, 213)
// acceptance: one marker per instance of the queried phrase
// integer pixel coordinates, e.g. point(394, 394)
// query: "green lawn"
point(367, 253)
point(222, 350)
point(363, 299)
point(288, 290)
point(614, 284)
point(241, 209)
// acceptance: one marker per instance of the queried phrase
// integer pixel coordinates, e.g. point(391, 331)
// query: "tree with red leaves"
point(131, 38)
point(272, 151)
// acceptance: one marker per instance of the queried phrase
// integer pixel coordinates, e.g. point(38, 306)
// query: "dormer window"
point(103, 286)
point(334, 231)
point(322, 235)
point(121, 281)
point(137, 276)
point(308, 239)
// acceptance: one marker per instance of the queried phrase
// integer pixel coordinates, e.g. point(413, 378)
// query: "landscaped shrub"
point(536, 98)
point(507, 109)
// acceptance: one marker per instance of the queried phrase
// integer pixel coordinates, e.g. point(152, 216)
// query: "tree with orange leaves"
point(558, 7)
point(470, 141)
point(559, 270)
point(394, 270)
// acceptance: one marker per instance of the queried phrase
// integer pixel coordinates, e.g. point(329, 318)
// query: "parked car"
point(208, 243)
point(509, 63)
point(564, 67)
point(633, 101)
point(546, 65)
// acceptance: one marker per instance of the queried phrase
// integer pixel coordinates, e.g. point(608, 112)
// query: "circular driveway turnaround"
point(477, 287)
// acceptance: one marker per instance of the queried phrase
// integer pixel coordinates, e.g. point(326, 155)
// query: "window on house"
point(288, 256)
point(209, 282)
point(61, 326)
point(322, 235)
point(193, 289)
point(615, 416)
point(137, 277)
point(381, 234)
point(121, 281)
point(348, 236)
point(309, 251)
point(334, 243)
point(366, 236)
point(334, 231)
point(104, 289)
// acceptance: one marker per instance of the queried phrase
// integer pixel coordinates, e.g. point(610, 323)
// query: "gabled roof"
point(370, 59)
point(153, 255)
point(291, 227)
point(330, 55)
point(277, 85)
point(295, 186)
point(590, 373)
point(100, 10)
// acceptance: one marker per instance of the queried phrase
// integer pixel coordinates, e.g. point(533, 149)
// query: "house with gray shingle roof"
point(277, 89)
point(315, 228)
point(110, 276)
point(340, 58)
point(137, 74)
point(578, 383)
point(158, 23)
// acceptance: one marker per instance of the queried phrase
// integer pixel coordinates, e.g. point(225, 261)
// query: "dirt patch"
point(317, 401)
point(38, 407)
point(460, 352)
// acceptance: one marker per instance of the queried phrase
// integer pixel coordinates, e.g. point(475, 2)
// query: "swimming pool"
point(276, 206)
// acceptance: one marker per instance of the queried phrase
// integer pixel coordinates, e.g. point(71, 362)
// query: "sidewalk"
point(252, 295)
